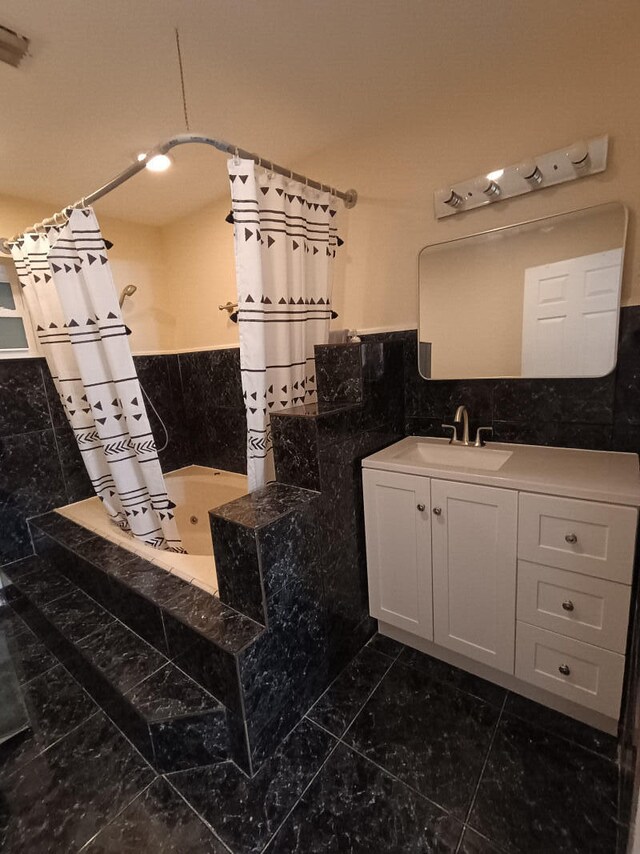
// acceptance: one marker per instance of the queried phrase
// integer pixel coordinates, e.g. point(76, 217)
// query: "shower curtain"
point(68, 288)
point(285, 243)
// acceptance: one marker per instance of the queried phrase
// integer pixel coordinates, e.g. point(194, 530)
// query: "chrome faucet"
point(463, 416)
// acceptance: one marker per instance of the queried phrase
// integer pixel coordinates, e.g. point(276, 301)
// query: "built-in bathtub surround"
point(197, 396)
point(194, 490)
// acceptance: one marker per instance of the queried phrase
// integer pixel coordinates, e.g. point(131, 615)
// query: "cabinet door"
point(398, 530)
point(474, 571)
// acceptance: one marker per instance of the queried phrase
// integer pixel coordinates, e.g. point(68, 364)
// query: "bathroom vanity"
point(514, 562)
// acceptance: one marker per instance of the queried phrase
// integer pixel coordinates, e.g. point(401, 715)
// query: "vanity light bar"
point(586, 157)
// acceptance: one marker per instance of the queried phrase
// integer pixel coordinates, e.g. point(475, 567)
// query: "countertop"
point(608, 476)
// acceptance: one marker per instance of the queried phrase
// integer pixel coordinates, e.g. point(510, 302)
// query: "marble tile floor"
point(401, 754)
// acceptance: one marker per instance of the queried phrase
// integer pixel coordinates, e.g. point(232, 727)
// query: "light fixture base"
point(551, 169)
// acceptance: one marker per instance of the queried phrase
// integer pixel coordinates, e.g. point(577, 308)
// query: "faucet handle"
point(479, 442)
point(454, 432)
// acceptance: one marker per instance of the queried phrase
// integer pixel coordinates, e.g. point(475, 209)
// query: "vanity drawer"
point(581, 536)
point(579, 606)
point(572, 669)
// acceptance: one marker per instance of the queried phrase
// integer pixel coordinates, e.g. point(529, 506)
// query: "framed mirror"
point(535, 299)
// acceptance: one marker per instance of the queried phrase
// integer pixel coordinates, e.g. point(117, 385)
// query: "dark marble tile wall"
point(162, 390)
point(214, 408)
point(39, 466)
point(599, 414)
point(291, 556)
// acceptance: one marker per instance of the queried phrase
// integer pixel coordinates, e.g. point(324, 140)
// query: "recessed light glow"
point(493, 176)
point(141, 156)
point(158, 163)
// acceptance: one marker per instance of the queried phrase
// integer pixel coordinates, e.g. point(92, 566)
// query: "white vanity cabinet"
point(397, 508)
point(522, 577)
point(474, 537)
point(441, 560)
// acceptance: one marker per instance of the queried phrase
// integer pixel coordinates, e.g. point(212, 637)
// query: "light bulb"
point(158, 163)
point(530, 171)
point(578, 155)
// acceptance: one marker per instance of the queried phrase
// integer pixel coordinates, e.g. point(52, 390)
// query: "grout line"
point(369, 696)
point(398, 779)
point(486, 759)
point(111, 820)
point(57, 741)
point(554, 734)
point(299, 799)
point(196, 813)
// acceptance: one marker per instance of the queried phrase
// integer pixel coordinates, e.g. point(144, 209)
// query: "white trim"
point(178, 351)
point(377, 330)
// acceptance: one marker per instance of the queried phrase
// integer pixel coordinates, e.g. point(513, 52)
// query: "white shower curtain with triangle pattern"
point(69, 290)
point(285, 245)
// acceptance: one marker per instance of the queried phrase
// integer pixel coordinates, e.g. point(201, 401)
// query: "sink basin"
point(428, 453)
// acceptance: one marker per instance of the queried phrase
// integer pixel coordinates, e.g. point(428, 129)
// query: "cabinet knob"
point(568, 605)
point(437, 511)
point(564, 669)
point(571, 538)
point(420, 507)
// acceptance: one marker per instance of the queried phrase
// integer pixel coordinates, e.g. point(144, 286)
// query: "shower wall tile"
point(214, 408)
point(295, 447)
point(224, 444)
point(162, 389)
point(214, 375)
point(76, 479)
point(339, 375)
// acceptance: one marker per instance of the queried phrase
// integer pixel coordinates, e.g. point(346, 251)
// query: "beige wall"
point(396, 168)
point(503, 114)
point(200, 276)
point(136, 258)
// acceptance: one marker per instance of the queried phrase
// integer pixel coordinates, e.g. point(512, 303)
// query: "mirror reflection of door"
point(534, 299)
point(570, 316)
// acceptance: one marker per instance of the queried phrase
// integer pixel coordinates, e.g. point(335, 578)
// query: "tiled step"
point(197, 631)
point(172, 720)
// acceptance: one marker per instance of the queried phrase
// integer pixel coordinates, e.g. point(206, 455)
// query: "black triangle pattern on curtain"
point(286, 238)
point(71, 298)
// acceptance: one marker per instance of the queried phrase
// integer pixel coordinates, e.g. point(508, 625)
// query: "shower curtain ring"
point(236, 156)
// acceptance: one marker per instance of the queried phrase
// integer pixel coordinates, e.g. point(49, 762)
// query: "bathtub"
point(195, 490)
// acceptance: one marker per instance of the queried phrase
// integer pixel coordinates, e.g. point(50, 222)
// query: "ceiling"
point(285, 78)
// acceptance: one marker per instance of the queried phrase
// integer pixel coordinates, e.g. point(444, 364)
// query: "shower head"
point(129, 291)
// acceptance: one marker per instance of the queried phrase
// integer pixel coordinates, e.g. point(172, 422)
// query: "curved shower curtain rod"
point(350, 197)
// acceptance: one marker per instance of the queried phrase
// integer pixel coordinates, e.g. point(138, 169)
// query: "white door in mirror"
point(570, 316)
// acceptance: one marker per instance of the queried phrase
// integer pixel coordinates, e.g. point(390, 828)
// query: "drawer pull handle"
point(420, 507)
point(564, 669)
point(571, 538)
point(437, 511)
point(568, 605)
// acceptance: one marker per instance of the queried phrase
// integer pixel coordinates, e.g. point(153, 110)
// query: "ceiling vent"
point(13, 48)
